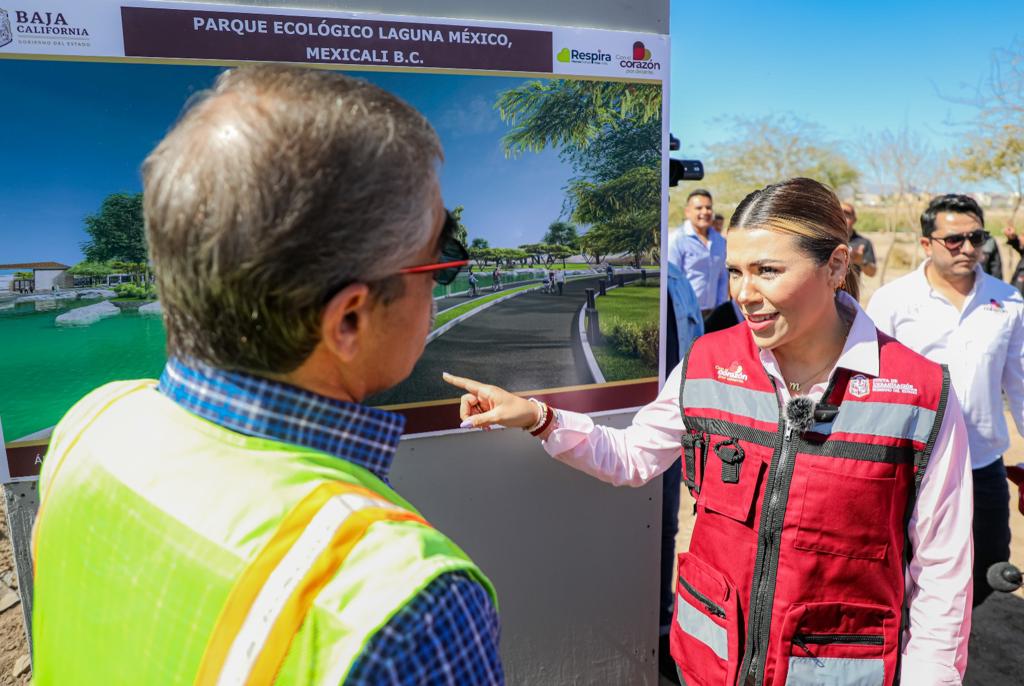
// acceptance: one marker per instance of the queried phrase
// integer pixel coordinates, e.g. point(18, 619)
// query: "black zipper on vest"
point(709, 604)
point(767, 563)
point(801, 641)
point(769, 535)
point(849, 639)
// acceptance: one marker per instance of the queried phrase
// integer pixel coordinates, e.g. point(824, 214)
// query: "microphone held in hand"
point(1003, 576)
point(800, 413)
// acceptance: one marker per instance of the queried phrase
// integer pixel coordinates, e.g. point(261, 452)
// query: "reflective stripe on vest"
point(708, 393)
point(271, 598)
point(894, 420)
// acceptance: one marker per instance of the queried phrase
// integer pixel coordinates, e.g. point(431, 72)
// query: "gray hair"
point(275, 189)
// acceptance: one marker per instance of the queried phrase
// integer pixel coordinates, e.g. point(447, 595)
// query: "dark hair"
point(805, 209)
point(274, 187)
point(718, 216)
point(955, 203)
point(699, 192)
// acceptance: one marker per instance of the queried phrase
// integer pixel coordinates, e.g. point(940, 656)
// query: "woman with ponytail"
point(832, 542)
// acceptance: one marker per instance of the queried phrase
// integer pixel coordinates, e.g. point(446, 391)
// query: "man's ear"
point(345, 320)
point(926, 243)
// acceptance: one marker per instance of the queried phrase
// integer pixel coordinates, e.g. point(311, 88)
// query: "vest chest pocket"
point(731, 477)
point(845, 515)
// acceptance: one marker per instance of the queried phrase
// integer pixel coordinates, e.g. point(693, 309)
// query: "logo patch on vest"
point(893, 386)
point(859, 386)
point(733, 373)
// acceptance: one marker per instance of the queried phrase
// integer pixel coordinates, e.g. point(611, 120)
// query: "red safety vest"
point(795, 572)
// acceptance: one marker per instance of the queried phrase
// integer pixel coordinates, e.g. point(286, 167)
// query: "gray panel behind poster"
point(575, 561)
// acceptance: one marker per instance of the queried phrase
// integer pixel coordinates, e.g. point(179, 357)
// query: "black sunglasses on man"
point(955, 241)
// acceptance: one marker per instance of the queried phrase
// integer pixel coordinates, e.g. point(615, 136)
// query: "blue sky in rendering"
point(851, 67)
point(71, 133)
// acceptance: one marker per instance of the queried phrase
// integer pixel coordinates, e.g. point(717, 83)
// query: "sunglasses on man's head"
point(956, 240)
point(454, 255)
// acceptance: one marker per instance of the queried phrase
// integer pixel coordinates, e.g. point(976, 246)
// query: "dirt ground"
point(13, 643)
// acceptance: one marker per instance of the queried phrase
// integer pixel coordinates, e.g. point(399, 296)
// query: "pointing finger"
point(461, 382)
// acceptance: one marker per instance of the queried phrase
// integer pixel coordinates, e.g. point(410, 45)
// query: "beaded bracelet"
point(547, 417)
point(543, 415)
point(547, 423)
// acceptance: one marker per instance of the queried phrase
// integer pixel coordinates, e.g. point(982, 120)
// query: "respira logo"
point(573, 56)
point(6, 36)
point(641, 61)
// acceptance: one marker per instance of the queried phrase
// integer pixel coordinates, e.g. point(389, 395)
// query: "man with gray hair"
point(233, 522)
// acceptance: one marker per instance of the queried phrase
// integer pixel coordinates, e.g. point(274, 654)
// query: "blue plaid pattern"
point(256, 406)
point(448, 634)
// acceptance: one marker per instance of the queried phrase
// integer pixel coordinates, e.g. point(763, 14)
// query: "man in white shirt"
point(950, 311)
point(698, 251)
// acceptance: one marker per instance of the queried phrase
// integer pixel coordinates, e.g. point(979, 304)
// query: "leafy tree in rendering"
point(116, 231)
point(626, 209)
point(461, 233)
point(562, 233)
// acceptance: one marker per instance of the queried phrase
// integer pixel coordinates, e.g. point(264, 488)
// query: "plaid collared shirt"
point(448, 633)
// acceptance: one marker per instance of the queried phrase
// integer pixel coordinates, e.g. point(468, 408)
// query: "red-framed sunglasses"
point(454, 255)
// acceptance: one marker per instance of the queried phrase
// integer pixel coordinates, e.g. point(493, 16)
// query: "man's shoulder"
point(998, 289)
point(897, 292)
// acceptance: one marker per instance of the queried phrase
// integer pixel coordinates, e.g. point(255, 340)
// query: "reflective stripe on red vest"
point(795, 569)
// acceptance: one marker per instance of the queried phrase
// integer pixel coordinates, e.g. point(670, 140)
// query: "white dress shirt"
point(939, 575)
point(983, 345)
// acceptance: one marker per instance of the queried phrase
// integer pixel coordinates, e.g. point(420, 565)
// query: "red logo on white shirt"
point(995, 306)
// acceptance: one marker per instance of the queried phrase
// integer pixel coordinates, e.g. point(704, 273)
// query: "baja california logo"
point(859, 386)
point(6, 35)
point(734, 373)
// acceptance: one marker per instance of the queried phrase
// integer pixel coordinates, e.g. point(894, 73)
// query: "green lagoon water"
point(45, 368)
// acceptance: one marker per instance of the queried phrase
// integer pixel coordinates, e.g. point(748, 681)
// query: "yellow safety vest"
point(170, 550)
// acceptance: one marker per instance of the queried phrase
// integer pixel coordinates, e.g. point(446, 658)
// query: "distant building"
point(45, 276)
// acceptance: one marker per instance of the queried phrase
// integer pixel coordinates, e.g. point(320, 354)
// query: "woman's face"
point(783, 293)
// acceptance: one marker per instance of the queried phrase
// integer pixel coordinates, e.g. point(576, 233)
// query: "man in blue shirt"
point(698, 251)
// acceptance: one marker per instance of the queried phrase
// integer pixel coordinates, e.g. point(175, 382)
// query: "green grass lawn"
point(451, 313)
point(632, 303)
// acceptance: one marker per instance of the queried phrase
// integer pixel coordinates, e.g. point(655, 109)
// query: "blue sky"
point(851, 67)
point(71, 133)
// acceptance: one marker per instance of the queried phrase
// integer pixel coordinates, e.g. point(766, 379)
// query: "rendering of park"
point(592, 173)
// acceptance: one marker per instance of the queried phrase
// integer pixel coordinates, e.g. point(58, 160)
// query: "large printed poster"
point(555, 160)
